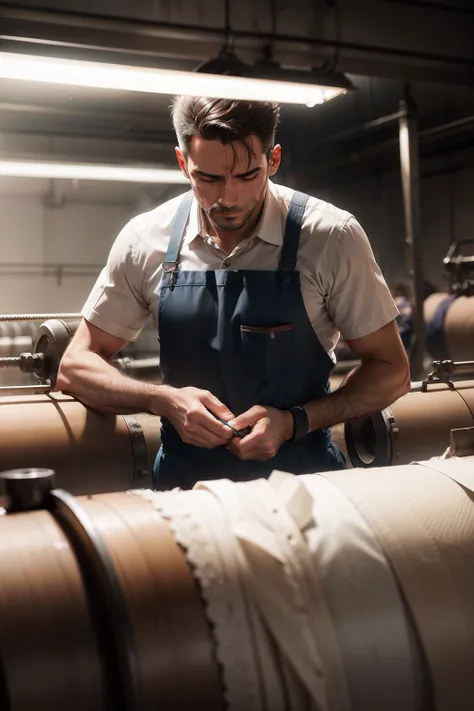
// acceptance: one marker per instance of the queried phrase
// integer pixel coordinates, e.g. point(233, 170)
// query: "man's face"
point(229, 189)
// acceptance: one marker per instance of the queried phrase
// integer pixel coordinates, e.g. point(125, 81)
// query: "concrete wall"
point(446, 213)
point(66, 222)
point(81, 233)
point(31, 233)
point(75, 223)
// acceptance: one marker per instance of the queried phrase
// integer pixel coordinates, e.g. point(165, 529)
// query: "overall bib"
point(245, 336)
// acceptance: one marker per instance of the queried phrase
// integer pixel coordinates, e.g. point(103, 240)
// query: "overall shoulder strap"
point(291, 238)
point(177, 230)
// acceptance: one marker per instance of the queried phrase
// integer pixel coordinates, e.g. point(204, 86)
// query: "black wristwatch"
point(300, 421)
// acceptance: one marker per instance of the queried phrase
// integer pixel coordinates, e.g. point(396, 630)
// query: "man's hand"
point(191, 411)
point(270, 428)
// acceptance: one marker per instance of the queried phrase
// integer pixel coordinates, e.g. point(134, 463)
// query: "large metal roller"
point(90, 452)
point(450, 326)
point(415, 427)
point(350, 591)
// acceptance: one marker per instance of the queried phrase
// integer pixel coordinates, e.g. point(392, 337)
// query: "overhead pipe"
point(81, 31)
point(386, 146)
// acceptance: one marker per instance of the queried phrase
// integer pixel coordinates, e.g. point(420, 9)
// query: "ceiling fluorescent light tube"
point(99, 75)
point(84, 171)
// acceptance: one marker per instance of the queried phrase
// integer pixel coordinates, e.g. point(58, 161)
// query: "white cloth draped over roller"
point(349, 591)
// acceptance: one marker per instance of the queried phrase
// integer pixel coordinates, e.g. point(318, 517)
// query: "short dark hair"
point(225, 120)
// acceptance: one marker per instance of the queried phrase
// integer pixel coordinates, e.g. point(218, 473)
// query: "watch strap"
point(300, 421)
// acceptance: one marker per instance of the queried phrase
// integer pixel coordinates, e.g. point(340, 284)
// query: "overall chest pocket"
point(266, 349)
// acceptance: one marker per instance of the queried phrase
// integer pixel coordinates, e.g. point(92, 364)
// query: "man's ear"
point(181, 161)
point(275, 159)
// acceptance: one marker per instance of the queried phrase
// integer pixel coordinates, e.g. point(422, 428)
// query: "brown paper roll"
point(90, 452)
point(432, 303)
point(417, 426)
point(171, 635)
point(459, 329)
point(458, 325)
point(48, 645)
point(425, 524)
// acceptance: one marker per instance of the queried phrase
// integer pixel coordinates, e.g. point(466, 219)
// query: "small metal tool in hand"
point(238, 433)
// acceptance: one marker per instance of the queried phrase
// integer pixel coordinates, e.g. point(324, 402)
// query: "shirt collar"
point(269, 228)
point(193, 228)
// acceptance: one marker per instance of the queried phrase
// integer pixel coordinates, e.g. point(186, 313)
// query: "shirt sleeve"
point(358, 299)
point(116, 303)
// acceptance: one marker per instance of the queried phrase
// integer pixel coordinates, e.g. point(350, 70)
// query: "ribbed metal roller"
point(337, 592)
point(416, 426)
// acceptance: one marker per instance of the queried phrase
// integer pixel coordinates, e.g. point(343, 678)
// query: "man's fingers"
point(251, 417)
point(255, 454)
point(256, 445)
point(200, 436)
point(201, 416)
point(215, 426)
point(216, 406)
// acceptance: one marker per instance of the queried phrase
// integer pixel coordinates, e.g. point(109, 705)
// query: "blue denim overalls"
point(245, 336)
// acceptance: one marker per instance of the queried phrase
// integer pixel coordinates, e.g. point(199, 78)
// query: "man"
point(249, 284)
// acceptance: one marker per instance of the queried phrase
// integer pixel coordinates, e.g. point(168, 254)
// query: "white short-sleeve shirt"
point(342, 286)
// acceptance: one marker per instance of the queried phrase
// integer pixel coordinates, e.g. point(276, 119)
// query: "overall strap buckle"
point(170, 268)
point(170, 263)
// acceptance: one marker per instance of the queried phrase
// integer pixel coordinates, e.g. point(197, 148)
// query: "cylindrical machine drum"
point(453, 330)
point(51, 340)
point(140, 368)
point(416, 426)
point(90, 452)
point(325, 592)
point(53, 337)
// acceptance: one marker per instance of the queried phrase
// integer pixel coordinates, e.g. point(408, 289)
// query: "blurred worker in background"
point(434, 341)
point(402, 295)
point(249, 284)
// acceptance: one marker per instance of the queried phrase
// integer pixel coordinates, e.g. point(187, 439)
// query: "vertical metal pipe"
point(409, 164)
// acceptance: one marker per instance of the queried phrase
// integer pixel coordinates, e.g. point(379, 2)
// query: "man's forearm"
point(372, 386)
point(97, 384)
